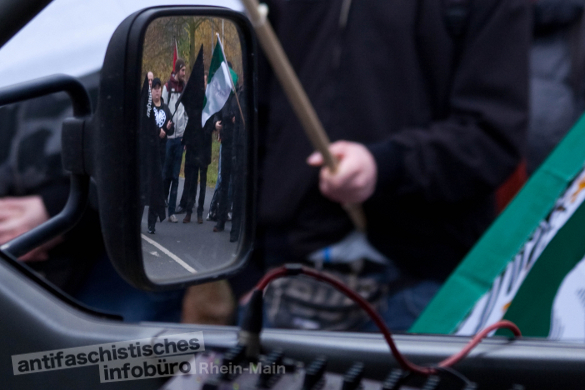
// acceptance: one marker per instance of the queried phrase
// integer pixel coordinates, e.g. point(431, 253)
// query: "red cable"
point(504, 324)
point(270, 276)
point(404, 363)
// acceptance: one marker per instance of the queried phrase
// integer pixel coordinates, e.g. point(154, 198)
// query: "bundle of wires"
point(252, 321)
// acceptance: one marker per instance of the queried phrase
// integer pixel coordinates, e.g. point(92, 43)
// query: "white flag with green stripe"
point(219, 85)
point(529, 267)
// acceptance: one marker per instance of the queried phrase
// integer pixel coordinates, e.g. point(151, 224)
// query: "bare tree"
point(189, 33)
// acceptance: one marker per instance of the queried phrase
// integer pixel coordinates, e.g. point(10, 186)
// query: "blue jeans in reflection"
point(171, 169)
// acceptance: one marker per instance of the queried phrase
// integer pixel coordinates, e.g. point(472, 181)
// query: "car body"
point(38, 317)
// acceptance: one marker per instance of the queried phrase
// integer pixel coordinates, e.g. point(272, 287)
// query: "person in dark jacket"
point(197, 142)
point(226, 134)
point(238, 163)
point(439, 114)
point(197, 159)
point(163, 117)
point(156, 125)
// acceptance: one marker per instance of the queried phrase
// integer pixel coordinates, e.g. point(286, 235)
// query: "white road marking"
point(169, 253)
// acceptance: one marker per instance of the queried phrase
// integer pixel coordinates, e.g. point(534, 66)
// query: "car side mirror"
point(152, 143)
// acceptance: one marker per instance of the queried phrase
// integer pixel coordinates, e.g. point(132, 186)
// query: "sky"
point(71, 37)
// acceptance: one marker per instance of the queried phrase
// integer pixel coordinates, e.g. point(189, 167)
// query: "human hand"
point(218, 126)
point(210, 303)
point(18, 216)
point(356, 175)
point(169, 124)
point(162, 133)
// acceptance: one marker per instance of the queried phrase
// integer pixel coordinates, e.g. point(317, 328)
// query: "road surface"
point(179, 249)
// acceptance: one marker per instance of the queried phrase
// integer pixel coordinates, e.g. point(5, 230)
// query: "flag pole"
point(175, 53)
point(232, 82)
point(297, 97)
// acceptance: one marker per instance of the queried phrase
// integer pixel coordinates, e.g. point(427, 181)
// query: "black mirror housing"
point(111, 146)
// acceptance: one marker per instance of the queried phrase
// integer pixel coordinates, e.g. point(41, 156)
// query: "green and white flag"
point(539, 286)
point(219, 85)
point(529, 267)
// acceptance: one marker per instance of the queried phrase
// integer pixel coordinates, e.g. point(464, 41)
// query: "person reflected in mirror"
point(155, 126)
point(238, 163)
point(150, 77)
point(226, 130)
point(163, 116)
point(174, 149)
point(197, 141)
point(226, 127)
point(213, 206)
point(197, 160)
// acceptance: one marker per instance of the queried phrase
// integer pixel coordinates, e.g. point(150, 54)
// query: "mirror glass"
point(193, 146)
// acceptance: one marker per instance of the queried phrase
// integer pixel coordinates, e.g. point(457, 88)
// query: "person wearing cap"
point(174, 149)
point(163, 117)
point(157, 128)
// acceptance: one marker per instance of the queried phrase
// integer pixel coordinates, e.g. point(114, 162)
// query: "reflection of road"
point(179, 249)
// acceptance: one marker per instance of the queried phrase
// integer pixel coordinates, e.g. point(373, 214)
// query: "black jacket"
point(227, 115)
point(445, 132)
point(198, 140)
point(152, 120)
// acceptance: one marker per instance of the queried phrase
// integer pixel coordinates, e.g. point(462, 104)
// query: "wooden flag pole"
point(297, 97)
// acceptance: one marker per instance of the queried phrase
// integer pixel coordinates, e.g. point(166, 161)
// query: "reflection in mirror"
point(192, 146)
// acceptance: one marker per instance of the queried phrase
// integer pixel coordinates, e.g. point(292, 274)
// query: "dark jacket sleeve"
point(480, 140)
point(170, 131)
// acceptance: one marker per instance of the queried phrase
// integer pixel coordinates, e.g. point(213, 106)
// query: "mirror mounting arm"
point(73, 140)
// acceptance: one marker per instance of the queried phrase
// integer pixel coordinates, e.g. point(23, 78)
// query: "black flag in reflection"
point(145, 99)
point(194, 92)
